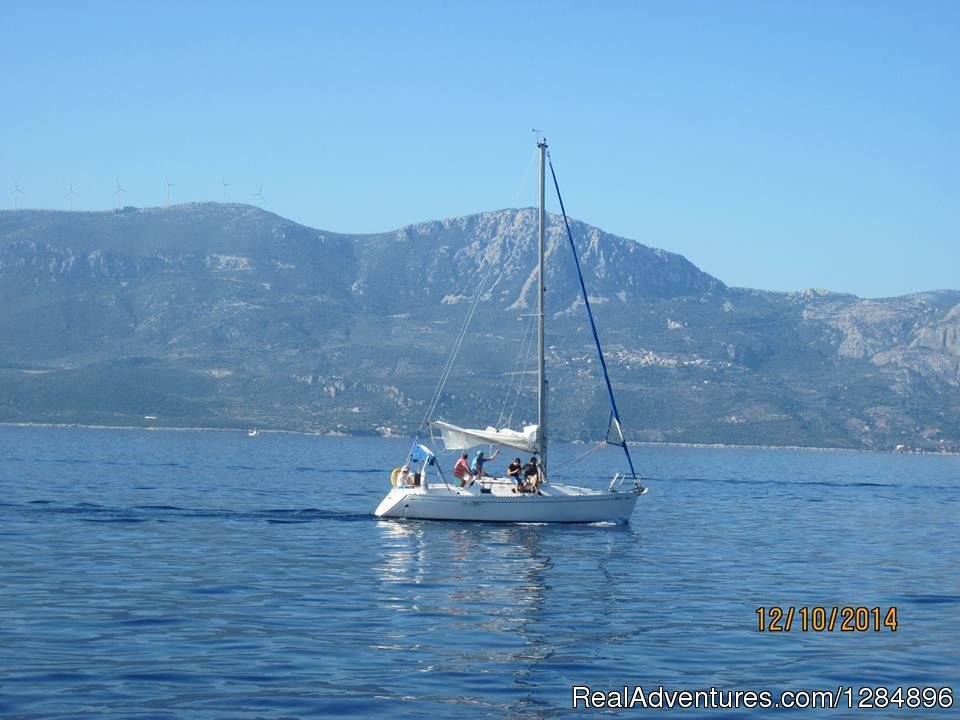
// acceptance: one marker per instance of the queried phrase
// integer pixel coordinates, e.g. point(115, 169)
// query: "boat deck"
point(500, 487)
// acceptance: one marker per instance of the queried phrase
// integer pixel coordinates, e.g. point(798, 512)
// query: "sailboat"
point(421, 489)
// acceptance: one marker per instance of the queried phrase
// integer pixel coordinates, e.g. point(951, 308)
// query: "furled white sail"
point(457, 438)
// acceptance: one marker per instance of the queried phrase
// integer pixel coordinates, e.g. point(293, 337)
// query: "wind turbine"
point(17, 190)
point(169, 185)
point(223, 189)
point(119, 190)
point(71, 194)
point(259, 195)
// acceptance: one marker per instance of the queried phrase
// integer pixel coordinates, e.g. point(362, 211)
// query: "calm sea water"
point(211, 575)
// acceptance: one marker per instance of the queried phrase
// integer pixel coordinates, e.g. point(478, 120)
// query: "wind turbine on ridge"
point(259, 195)
point(119, 190)
point(71, 194)
point(17, 190)
point(169, 185)
point(223, 189)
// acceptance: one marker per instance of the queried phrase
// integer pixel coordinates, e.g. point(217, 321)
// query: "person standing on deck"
point(462, 470)
point(479, 460)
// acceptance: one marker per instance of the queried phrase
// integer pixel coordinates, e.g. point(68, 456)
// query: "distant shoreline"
point(165, 428)
point(644, 443)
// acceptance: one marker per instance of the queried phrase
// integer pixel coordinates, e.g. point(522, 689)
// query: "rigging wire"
point(614, 413)
point(456, 348)
point(487, 268)
point(526, 342)
point(526, 174)
point(515, 387)
point(527, 357)
point(579, 458)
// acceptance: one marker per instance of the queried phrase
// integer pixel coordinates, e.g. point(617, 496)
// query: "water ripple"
point(202, 575)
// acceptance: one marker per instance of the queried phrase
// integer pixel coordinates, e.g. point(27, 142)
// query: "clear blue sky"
point(777, 145)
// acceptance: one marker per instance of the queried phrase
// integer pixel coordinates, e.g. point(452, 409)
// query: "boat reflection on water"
point(489, 602)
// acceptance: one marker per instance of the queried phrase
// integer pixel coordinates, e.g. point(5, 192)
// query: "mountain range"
point(216, 315)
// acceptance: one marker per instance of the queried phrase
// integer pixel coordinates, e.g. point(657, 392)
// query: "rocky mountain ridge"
point(227, 315)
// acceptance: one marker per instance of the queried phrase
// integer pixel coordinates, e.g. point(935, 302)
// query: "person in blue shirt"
point(479, 460)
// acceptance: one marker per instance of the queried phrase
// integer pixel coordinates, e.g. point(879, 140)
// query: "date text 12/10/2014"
point(827, 619)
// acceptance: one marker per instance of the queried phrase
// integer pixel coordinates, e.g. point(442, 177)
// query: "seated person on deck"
point(531, 475)
point(513, 472)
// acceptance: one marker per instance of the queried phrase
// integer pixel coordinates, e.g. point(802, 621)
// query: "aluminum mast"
point(541, 377)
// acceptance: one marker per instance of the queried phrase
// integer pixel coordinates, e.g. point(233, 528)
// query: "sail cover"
point(457, 438)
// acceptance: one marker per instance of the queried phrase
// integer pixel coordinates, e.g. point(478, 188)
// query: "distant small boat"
point(498, 499)
point(253, 433)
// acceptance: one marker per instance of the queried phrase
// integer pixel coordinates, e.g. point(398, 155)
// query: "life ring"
point(394, 475)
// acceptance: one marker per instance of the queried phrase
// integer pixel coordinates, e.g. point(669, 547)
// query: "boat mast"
point(541, 377)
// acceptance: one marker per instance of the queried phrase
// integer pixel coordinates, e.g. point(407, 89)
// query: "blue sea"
point(148, 574)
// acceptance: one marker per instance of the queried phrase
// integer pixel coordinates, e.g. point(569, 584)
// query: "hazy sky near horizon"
point(776, 145)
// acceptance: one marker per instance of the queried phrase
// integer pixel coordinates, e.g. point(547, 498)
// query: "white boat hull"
point(557, 503)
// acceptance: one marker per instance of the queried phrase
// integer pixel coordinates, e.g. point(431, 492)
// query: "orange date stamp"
point(827, 619)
